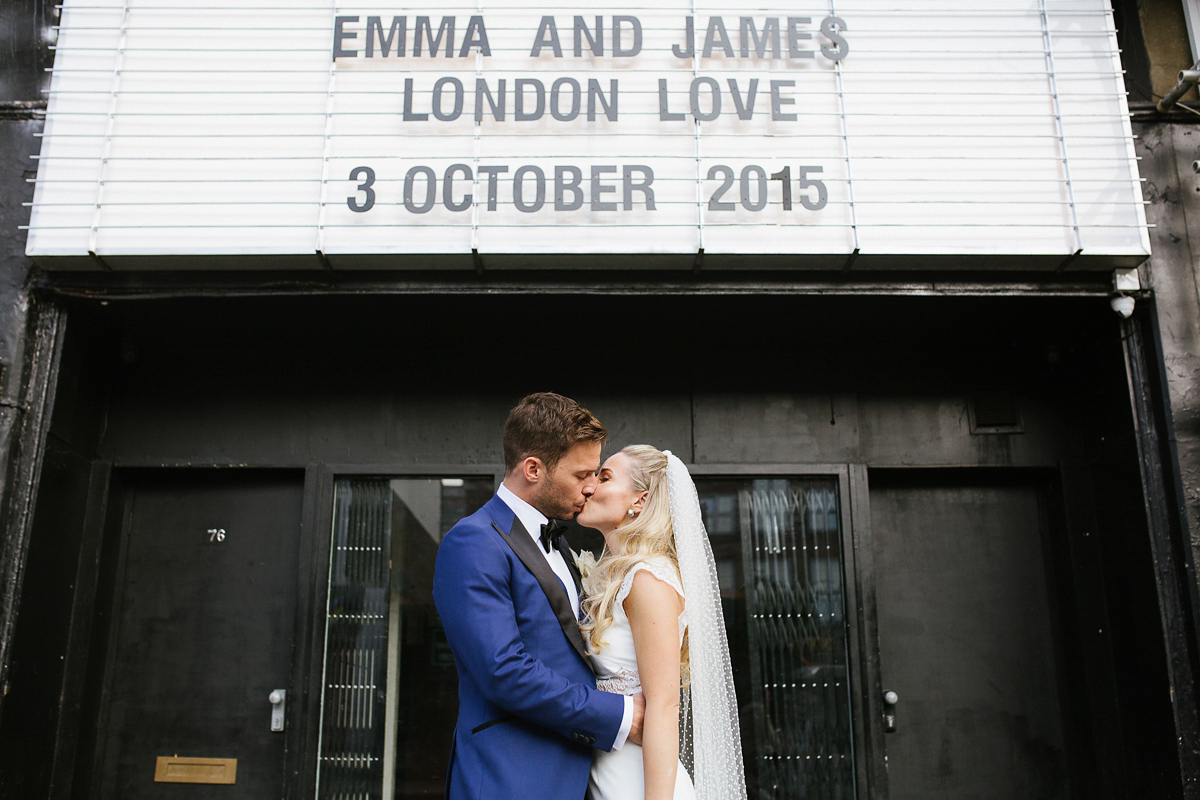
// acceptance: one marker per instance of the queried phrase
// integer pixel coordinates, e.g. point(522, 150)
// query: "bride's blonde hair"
point(646, 535)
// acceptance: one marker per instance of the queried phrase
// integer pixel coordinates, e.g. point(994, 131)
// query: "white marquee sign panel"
point(354, 134)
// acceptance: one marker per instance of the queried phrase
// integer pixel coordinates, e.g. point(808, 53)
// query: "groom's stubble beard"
point(555, 499)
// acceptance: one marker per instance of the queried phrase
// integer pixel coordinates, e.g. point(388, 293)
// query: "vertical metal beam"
point(696, 133)
point(476, 154)
point(837, 76)
point(871, 757)
point(1174, 575)
point(43, 349)
point(322, 200)
point(110, 124)
point(1058, 125)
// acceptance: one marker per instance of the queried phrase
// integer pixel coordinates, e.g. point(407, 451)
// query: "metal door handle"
point(889, 711)
point(278, 699)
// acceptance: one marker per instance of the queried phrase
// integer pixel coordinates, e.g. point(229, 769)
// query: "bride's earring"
point(632, 513)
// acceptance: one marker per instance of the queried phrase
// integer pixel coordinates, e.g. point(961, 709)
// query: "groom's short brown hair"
point(546, 425)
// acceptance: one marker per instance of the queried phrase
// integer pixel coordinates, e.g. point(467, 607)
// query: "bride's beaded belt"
point(624, 681)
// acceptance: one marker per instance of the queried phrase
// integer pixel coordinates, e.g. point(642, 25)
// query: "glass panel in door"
point(390, 689)
point(778, 546)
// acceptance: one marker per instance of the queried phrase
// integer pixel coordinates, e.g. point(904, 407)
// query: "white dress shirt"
point(533, 520)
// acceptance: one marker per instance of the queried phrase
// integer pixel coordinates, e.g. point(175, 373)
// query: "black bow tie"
point(552, 531)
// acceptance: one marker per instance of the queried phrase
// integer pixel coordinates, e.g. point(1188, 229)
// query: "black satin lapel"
point(526, 549)
point(565, 551)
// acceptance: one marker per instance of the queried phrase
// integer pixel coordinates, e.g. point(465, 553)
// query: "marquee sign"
point(363, 134)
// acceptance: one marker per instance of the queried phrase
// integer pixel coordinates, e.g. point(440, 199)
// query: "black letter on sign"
point(642, 186)
point(476, 37)
point(409, 116)
point(745, 109)
point(830, 27)
point(621, 52)
point(448, 185)
point(716, 99)
point(778, 102)
point(769, 37)
point(595, 94)
point(375, 31)
point(519, 188)
point(562, 186)
point(446, 28)
point(717, 36)
point(663, 112)
point(796, 36)
point(430, 189)
point(539, 91)
point(689, 38)
point(575, 92)
point(482, 91)
point(491, 173)
point(368, 178)
point(437, 99)
point(547, 36)
point(595, 43)
point(598, 188)
point(340, 35)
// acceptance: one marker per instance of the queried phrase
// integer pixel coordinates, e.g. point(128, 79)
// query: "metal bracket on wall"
point(1126, 280)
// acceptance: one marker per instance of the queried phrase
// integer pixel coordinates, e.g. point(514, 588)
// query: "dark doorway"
point(966, 637)
point(203, 633)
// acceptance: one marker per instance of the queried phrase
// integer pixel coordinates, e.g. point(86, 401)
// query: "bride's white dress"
point(618, 775)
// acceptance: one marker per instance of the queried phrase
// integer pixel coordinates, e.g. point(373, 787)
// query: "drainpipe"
point(1187, 79)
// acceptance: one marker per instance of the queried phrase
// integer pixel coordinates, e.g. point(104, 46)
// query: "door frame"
point(1075, 594)
point(865, 695)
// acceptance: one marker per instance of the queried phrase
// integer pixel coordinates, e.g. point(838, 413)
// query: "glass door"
point(779, 548)
point(389, 700)
point(389, 695)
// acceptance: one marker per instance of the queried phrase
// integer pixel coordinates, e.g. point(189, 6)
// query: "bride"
point(654, 625)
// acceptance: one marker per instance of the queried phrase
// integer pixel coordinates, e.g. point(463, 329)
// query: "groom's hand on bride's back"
point(639, 715)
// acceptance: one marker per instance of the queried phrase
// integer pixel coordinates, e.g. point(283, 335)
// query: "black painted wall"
point(30, 688)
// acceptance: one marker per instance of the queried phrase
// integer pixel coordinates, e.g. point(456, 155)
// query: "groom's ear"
point(532, 469)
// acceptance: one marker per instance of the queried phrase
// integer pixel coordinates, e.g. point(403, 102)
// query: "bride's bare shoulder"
point(653, 583)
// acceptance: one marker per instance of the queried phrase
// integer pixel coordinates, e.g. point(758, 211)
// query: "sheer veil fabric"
point(711, 744)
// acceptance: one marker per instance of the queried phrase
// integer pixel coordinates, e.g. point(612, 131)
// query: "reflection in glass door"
point(389, 694)
point(389, 700)
point(778, 544)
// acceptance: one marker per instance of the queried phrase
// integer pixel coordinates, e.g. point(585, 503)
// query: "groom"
point(508, 594)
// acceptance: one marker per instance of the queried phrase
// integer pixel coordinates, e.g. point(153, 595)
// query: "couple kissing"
point(570, 685)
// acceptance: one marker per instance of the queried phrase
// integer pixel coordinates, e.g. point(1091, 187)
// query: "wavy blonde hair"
point(646, 535)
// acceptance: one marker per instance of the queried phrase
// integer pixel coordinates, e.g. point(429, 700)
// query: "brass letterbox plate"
point(176, 769)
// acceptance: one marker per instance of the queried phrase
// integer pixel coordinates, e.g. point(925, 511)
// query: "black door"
point(203, 633)
point(966, 638)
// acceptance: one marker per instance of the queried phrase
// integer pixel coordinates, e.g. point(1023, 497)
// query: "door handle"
point(889, 711)
point(278, 699)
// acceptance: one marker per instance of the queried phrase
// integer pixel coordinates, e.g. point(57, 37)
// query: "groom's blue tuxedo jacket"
point(529, 713)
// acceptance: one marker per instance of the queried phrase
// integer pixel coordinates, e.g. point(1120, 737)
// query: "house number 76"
point(216, 534)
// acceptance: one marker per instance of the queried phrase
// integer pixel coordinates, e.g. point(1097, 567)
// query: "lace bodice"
point(616, 663)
